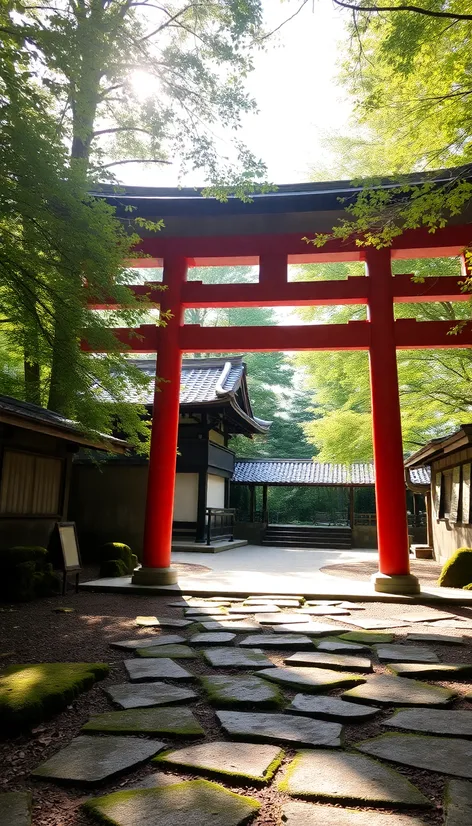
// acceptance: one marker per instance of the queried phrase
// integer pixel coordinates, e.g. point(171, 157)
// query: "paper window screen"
point(455, 493)
point(465, 515)
point(437, 494)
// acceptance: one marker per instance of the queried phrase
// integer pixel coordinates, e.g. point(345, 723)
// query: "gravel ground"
point(35, 633)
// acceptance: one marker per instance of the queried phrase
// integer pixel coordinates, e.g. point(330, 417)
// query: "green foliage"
point(10, 557)
point(116, 559)
point(457, 571)
point(31, 693)
point(115, 550)
point(409, 78)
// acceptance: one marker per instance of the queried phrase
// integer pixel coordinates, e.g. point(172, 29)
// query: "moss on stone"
point(367, 637)
point(26, 573)
point(269, 773)
point(159, 720)
point(174, 652)
point(115, 809)
point(457, 571)
point(114, 568)
point(215, 694)
point(30, 693)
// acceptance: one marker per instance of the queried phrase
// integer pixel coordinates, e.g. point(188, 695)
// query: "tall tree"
point(72, 107)
point(407, 70)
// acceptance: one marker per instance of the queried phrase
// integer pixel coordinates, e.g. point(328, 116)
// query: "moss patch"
point(457, 571)
point(194, 802)
point(367, 637)
point(30, 693)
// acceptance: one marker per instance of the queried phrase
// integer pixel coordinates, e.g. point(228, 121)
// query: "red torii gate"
point(190, 239)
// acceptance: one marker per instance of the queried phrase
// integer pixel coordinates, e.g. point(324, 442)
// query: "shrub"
point(116, 550)
point(457, 571)
point(113, 567)
point(468, 587)
point(26, 573)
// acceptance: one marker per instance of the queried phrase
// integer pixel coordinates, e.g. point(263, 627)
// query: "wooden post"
point(252, 497)
point(351, 507)
point(392, 527)
point(157, 544)
point(265, 515)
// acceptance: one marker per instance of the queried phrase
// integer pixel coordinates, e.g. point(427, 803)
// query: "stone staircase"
point(312, 536)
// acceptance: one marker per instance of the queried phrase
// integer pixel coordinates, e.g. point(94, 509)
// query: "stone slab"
point(278, 601)
point(190, 803)
point(145, 642)
point(372, 624)
point(350, 778)
point(405, 654)
point(94, 759)
point(15, 809)
point(175, 652)
point(155, 669)
point(225, 691)
point(297, 813)
point(162, 622)
point(239, 627)
point(457, 803)
point(276, 728)
point(178, 721)
point(447, 639)
point(366, 637)
point(342, 647)
point(220, 602)
point(211, 611)
point(431, 671)
point(323, 602)
point(236, 658)
point(320, 659)
point(255, 609)
point(253, 762)
point(427, 616)
point(278, 641)
point(209, 638)
point(311, 629)
point(326, 610)
point(438, 754)
point(311, 679)
point(384, 690)
point(129, 695)
point(282, 619)
point(455, 722)
point(331, 708)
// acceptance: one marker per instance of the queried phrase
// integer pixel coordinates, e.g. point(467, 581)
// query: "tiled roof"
point(301, 472)
point(208, 382)
point(420, 475)
point(200, 378)
point(32, 416)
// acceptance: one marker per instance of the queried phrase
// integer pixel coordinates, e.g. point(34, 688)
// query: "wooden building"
point(36, 450)
point(446, 480)
point(108, 502)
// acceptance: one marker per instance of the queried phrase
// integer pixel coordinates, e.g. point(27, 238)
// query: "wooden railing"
point(415, 520)
point(219, 524)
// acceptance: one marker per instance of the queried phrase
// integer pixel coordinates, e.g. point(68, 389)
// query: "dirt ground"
point(34, 633)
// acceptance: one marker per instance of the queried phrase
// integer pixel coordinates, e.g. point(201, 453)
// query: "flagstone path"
point(276, 709)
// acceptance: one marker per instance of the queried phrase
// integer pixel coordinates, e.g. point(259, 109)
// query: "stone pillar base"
point(154, 576)
point(406, 584)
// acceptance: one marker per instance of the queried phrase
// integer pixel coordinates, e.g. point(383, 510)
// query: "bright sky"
point(294, 85)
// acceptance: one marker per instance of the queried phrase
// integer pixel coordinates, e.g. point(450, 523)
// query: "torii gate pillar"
point(392, 525)
point(157, 546)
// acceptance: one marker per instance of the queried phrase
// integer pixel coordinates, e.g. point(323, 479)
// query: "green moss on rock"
point(196, 802)
point(113, 568)
point(468, 587)
point(367, 637)
point(457, 571)
point(32, 692)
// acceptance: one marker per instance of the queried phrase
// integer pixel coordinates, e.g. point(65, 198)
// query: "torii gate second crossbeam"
point(204, 232)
